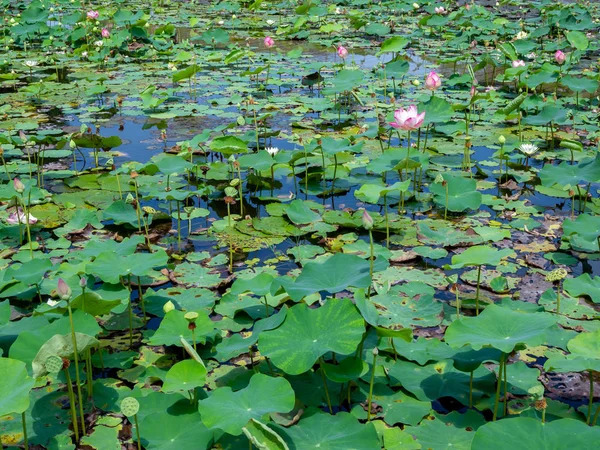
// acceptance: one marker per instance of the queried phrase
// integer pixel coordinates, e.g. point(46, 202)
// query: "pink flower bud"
point(105, 33)
point(342, 51)
point(18, 185)
point(269, 42)
point(63, 290)
point(433, 81)
point(93, 15)
point(560, 57)
point(367, 221)
point(518, 63)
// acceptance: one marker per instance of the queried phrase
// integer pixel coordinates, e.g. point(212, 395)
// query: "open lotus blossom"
point(19, 217)
point(560, 57)
point(105, 33)
point(529, 149)
point(408, 119)
point(31, 64)
point(99, 43)
point(521, 35)
point(52, 303)
point(518, 63)
point(272, 150)
point(433, 81)
point(440, 10)
point(342, 51)
point(93, 15)
point(270, 22)
point(269, 42)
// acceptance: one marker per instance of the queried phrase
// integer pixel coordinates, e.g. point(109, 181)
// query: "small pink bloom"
point(105, 33)
point(440, 10)
point(473, 91)
point(63, 290)
point(518, 63)
point(93, 15)
point(367, 220)
point(269, 42)
point(433, 81)
point(342, 51)
point(19, 217)
point(408, 119)
point(18, 185)
point(560, 57)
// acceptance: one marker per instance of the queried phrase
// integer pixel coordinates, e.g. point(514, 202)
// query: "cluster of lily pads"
point(290, 225)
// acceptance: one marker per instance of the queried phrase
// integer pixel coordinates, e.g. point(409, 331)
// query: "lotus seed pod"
point(168, 307)
point(148, 210)
point(191, 316)
point(130, 406)
point(54, 364)
point(557, 275)
point(234, 182)
point(230, 191)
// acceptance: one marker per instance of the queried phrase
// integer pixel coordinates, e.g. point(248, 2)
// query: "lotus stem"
point(387, 222)
point(498, 384)
point(25, 442)
point(137, 432)
point(371, 261)
point(595, 418)
point(72, 402)
point(446, 206)
point(477, 292)
point(130, 309)
point(76, 357)
point(505, 391)
point(89, 373)
point(137, 205)
point(240, 188)
point(26, 214)
point(322, 367)
point(5, 166)
point(371, 382)
point(334, 173)
point(178, 225)
point(471, 388)
point(591, 399)
point(558, 289)
point(141, 298)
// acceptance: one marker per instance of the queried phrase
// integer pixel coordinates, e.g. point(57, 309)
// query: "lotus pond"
point(299, 225)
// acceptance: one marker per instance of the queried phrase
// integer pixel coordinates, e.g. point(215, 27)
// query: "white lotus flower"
point(529, 149)
point(31, 64)
point(521, 35)
point(99, 43)
point(84, 54)
point(272, 150)
point(270, 22)
point(52, 303)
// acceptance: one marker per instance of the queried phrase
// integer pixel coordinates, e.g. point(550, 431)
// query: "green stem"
point(88, 370)
point(72, 402)
point(130, 313)
point(371, 382)
point(505, 391)
point(26, 443)
point(76, 356)
point(558, 299)
point(499, 383)
point(137, 432)
point(471, 389)
point(322, 367)
point(141, 297)
point(591, 400)
point(595, 416)
point(477, 292)
point(387, 222)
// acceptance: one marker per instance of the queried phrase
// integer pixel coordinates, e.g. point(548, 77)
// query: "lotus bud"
point(83, 282)
point(367, 221)
point(416, 83)
point(269, 42)
point(18, 185)
point(342, 51)
point(168, 307)
point(63, 290)
point(416, 5)
point(72, 144)
point(433, 81)
point(129, 199)
point(502, 139)
point(560, 57)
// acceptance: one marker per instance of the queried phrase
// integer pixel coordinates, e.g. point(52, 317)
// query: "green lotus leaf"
point(523, 433)
point(228, 145)
point(326, 432)
point(585, 355)
point(230, 410)
point(15, 386)
point(174, 326)
point(60, 345)
point(500, 328)
point(263, 437)
point(479, 255)
point(185, 375)
point(307, 334)
point(299, 213)
point(462, 193)
point(582, 233)
point(333, 275)
point(174, 430)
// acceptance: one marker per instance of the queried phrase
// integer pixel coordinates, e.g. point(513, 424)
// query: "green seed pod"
point(557, 275)
point(234, 182)
point(231, 191)
point(191, 316)
point(54, 364)
point(130, 406)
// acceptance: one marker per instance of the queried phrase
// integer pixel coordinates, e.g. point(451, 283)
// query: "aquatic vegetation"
point(292, 225)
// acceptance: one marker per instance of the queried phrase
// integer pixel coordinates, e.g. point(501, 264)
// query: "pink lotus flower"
point(105, 33)
point(18, 185)
point(19, 217)
point(93, 15)
point(433, 81)
point(63, 290)
point(342, 51)
point(408, 119)
point(440, 10)
point(560, 57)
point(269, 42)
point(518, 63)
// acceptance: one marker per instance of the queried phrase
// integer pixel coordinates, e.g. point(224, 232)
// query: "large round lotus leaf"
point(585, 355)
point(333, 275)
point(174, 325)
point(500, 328)
point(185, 375)
point(230, 411)
point(307, 334)
point(60, 345)
point(453, 431)
point(165, 431)
point(15, 386)
point(479, 255)
point(462, 193)
point(524, 433)
point(110, 266)
point(582, 233)
point(584, 285)
point(318, 430)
